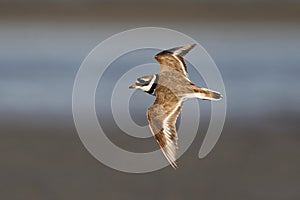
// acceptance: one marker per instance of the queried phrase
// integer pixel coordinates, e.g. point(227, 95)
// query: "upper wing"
point(173, 58)
point(162, 119)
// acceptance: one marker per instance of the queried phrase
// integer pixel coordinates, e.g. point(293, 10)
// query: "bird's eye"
point(141, 82)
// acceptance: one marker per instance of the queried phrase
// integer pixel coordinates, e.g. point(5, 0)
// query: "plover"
point(172, 87)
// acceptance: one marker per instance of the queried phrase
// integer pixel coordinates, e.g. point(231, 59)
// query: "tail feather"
point(206, 94)
point(213, 95)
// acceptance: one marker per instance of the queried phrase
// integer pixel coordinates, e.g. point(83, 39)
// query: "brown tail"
point(206, 94)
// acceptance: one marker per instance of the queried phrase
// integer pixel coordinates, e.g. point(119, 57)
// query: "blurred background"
point(255, 44)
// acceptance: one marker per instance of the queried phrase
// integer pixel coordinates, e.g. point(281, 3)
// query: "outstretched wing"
point(162, 118)
point(173, 58)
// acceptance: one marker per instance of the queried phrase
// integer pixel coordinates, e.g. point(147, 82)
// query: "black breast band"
point(153, 87)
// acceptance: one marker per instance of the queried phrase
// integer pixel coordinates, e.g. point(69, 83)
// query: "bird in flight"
point(171, 87)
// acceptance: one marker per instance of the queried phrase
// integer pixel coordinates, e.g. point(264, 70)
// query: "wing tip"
point(177, 51)
point(170, 155)
point(174, 165)
point(182, 50)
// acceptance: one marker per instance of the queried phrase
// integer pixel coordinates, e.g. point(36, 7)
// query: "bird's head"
point(145, 83)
